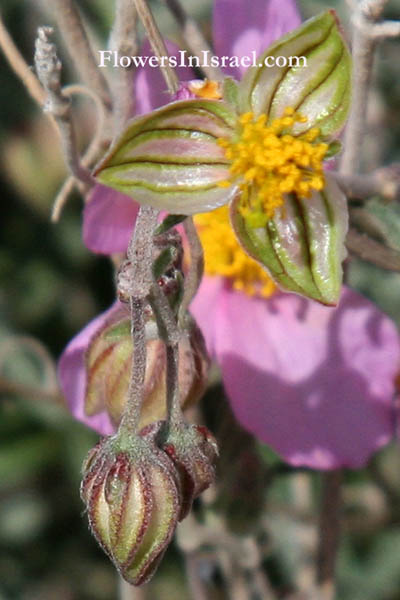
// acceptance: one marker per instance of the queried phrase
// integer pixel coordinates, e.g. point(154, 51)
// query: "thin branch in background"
point(329, 533)
point(126, 591)
point(372, 251)
point(12, 344)
point(235, 581)
point(196, 267)
point(77, 43)
point(388, 29)
point(157, 43)
point(48, 68)
point(20, 67)
point(90, 154)
point(31, 392)
point(49, 389)
point(193, 37)
point(383, 182)
point(124, 41)
point(195, 566)
point(365, 14)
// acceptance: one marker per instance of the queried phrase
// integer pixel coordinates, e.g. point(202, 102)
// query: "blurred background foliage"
point(51, 286)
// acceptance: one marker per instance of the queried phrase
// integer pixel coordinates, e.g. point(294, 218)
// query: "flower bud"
point(133, 501)
point(108, 362)
point(193, 450)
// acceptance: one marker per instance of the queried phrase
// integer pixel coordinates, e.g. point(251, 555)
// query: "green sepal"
point(230, 92)
point(302, 246)
point(171, 159)
point(334, 148)
point(319, 91)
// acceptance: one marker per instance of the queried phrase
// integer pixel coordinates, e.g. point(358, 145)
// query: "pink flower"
point(314, 383)
point(252, 26)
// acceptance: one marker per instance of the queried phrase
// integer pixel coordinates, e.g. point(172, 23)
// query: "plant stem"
point(329, 533)
point(124, 41)
point(170, 333)
point(157, 43)
point(91, 152)
point(126, 591)
point(196, 268)
point(77, 43)
point(366, 13)
point(140, 253)
point(193, 37)
point(372, 251)
point(383, 182)
point(20, 67)
point(48, 68)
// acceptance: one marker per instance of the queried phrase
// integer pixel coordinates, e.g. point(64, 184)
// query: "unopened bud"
point(108, 366)
point(193, 450)
point(133, 501)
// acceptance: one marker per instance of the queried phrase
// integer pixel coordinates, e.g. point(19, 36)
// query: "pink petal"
point(150, 88)
point(72, 374)
point(241, 27)
point(204, 309)
point(314, 383)
point(108, 220)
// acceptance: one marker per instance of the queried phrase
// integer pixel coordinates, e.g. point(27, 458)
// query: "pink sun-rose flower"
point(315, 383)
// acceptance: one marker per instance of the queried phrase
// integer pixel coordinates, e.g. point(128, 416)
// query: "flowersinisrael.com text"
point(113, 59)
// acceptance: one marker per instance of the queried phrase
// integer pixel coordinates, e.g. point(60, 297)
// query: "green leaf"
point(164, 260)
point(319, 91)
point(302, 246)
point(170, 158)
point(169, 222)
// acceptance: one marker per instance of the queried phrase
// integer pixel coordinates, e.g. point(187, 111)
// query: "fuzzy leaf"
point(320, 91)
point(170, 158)
point(302, 246)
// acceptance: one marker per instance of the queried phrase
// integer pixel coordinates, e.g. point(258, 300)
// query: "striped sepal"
point(302, 246)
point(170, 158)
point(319, 91)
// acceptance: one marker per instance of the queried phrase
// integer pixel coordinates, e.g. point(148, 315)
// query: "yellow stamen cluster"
point(224, 256)
point(269, 161)
point(209, 89)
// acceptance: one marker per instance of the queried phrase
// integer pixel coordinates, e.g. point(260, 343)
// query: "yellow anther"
point(269, 161)
point(212, 90)
point(225, 257)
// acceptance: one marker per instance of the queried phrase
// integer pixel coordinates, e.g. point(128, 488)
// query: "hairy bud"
point(133, 500)
point(108, 362)
point(193, 450)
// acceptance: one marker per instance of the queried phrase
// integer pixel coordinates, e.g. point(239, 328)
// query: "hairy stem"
point(140, 253)
point(58, 105)
point(124, 41)
point(366, 13)
point(157, 44)
point(90, 154)
point(71, 27)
